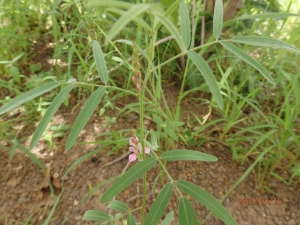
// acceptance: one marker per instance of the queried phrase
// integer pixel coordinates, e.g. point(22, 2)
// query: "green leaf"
point(14, 103)
point(95, 215)
point(50, 214)
point(128, 178)
point(57, 101)
point(33, 158)
point(129, 15)
point(118, 206)
point(109, 3)
point(84, 115)
point(130, 220)
point(267, 16)
point(208, 75)
point(185, 26)
point(242, 55)
point(218, 19)
point(136, 19)
point(157, 119)
point(13, 150)
point(264, 41)
point(159, 205)
point(82, 158)
point(100, 62)
point(184, 154)
point(207, 200)
point(187, 214)
point(171, 28)
point(168, 219)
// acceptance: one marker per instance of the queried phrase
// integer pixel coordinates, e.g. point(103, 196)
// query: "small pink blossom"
point(136, 149)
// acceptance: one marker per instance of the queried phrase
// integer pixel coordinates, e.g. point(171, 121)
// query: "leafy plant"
point(149, 20)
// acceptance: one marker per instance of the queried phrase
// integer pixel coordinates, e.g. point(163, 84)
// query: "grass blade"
point(242, 55)
point(267, 16)
point(84, 116)
point(128, 178)
point(33, 158)
point(57, 101)
point(187, 214)
point(218, 19)
point(208, 75)
point(159, 206)
point(95, 215)
point(185, 26)
point(187, 155)
point(13, 149)
point(100, 62)
point(28, 96)
point(129, 15)
point(53, 209)
point(172, 29)
point(81, 159)
point(265, 42)
point(109, 3)
point(136, 19)
point(207, 200)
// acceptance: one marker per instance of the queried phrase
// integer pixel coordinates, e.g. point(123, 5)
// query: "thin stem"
point(167, 173)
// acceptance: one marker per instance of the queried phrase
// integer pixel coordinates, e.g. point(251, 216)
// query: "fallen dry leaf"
point(56, 183)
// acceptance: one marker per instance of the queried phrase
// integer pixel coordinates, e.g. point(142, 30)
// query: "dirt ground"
point(25, 194)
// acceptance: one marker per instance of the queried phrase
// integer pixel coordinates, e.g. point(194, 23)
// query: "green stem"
point(167, 173)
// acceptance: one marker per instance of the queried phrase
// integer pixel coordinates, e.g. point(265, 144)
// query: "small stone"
point(77, 217)
point(291, 222)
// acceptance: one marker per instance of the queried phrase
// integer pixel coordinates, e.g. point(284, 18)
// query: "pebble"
point(292, 222)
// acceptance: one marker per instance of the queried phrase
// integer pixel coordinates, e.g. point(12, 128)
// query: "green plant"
point(149, 19)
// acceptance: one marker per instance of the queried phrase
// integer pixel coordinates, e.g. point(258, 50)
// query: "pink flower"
point(136, 149)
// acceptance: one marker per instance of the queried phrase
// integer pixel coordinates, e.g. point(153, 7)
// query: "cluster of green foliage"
point(254, 86)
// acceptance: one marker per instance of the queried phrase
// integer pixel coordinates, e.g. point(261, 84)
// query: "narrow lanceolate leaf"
point(128, 178)
point(81, 159)
point(264, 41)
point(84, 116)
point(109, 3)
point(118, 206)
point(267, 16)
point(129, 15)
point(32, 157)
point(168, 219)
point(171, 28)
point(130, 220)
point(183, 154)
point(14, 103)
point(100, 62)
point(57, 101)
point(243, 56)
point(207, 200)
point(185, 26)
point(218, 19)
point(137, 20)
point(208, 75)
point(95, 215)
point(187, 214)
point(159, 206)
